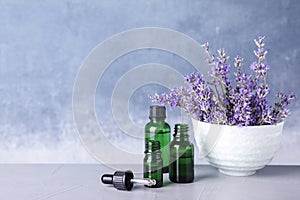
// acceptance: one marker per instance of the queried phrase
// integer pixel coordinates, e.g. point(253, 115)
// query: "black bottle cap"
point(120, 179)
point(157, 112)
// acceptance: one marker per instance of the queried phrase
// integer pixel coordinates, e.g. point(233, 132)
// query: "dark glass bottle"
point(153, 163)
point(181, 168)
point(157, 129)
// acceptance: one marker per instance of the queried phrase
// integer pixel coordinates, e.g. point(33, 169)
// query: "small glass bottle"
point(153, 163)
point(157, 129)
point(181, 168)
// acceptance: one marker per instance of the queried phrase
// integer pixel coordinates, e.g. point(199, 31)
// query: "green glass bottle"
point(157, 129)
point(181, 168)
point(153, 163)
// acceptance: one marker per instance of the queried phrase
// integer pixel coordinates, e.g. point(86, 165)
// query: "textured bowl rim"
point(244, 127)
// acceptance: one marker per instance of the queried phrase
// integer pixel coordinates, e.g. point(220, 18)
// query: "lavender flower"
point(217, 101)
point(280, 110)
point(260, 69)
point(260, 41)
point(206, 46)
point(262, 91)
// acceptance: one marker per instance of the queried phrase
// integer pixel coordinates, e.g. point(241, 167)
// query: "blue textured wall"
point(43, 43)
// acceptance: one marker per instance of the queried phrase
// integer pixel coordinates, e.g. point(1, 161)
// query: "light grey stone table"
point(70, 181)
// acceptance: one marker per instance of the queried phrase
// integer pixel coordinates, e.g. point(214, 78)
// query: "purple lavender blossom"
point(280, 110)
point(220, 67)
point(260, 69)
point(262, 91)
point(217, 101)
point(238, 62)
point(206, 46)
point(260, 41)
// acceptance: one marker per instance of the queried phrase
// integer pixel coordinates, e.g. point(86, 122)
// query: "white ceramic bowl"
point(237, 151)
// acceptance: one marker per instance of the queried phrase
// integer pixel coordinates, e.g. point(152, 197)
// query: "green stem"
point(265, 80)
point(217, 93)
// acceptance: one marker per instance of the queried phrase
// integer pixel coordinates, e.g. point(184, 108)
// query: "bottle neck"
point(180, 137)
point(156, 119)
point(181, 132)
point(152, 146)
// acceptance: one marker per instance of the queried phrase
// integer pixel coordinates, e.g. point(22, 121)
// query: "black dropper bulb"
point(123, 180)
point(107, 178)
